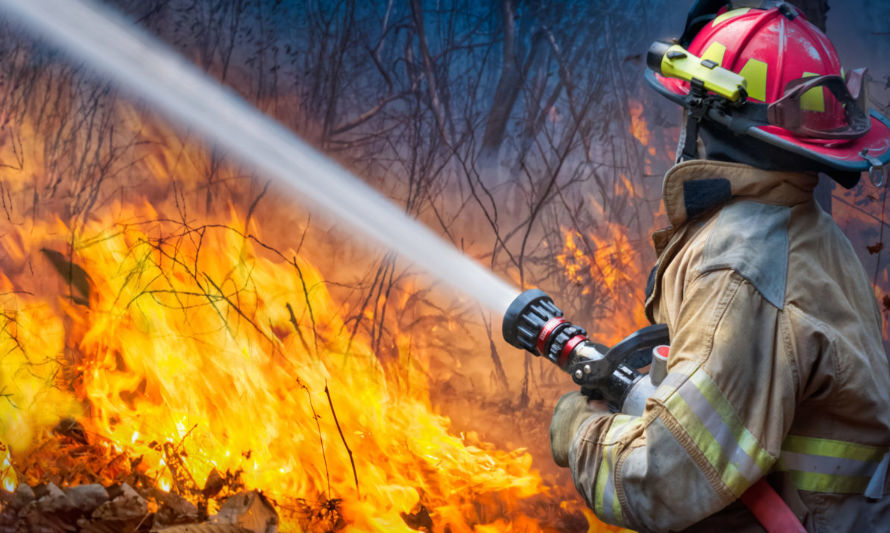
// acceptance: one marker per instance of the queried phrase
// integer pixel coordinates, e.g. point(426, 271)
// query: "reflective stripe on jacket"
point(777, 368)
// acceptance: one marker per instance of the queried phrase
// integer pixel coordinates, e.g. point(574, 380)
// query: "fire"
point(7, 472)
point(32, 340)
point(607, 267)
point(178, 347)
point(201, 348)
point(638, 126)
point(188, 352)
point(639, 129)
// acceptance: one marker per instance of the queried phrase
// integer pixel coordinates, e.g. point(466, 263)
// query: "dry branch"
point(343, 438)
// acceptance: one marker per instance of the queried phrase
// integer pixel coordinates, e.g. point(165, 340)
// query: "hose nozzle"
point(534, 323)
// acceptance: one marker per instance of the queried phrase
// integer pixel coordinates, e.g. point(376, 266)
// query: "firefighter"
point(775, 414)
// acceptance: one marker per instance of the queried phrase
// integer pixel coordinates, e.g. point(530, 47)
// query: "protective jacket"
point(776, 368)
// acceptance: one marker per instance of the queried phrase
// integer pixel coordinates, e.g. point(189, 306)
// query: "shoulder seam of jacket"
point(751, 238)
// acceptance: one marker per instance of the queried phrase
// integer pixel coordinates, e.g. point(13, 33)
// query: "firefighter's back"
point(836, 450)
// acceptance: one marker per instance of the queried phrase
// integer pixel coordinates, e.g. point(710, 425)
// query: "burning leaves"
point(190, 364)
point(122, 508)
point(126, 497)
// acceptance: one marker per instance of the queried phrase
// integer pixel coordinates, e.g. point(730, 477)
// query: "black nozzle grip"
point(526, 316)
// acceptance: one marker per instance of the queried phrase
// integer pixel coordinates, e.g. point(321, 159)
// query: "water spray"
point(150, 70)
point(617, 375)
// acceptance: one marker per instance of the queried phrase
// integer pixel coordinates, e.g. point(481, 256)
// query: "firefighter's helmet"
point(799, 97)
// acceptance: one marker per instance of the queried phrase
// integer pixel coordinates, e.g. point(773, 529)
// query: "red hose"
point(770, 509)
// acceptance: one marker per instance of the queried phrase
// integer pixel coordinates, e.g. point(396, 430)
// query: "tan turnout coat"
point(776, 368)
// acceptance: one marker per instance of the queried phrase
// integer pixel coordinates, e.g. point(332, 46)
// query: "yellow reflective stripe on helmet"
point(814, 99)
point(715, 53)
point(754, 73)
point(720, 19)
point(828, 465)
point(715, 427)
point(606, 502)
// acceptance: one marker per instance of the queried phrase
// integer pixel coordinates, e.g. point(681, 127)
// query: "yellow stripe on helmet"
point(754, 73)
point(715, 53)
point(814, 99)
point(720, 19)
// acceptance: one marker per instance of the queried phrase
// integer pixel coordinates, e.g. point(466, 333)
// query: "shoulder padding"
point(752, 239)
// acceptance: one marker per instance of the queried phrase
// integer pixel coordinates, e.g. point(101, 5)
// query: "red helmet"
point(799, 97)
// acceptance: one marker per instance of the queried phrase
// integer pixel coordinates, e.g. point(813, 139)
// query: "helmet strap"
point(687, 148)
point(697, 106)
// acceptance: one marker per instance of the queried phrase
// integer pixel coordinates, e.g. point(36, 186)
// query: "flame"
point(198, 351)
point(7, 473)
point(195, 341)
point(639, 129)
point(638, 126)
point(31, 340)
point(607, 268)
point(193, 350)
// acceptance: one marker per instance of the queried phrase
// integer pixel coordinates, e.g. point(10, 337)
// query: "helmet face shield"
point(823, 107)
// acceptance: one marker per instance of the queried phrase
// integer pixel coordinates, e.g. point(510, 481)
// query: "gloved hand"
point(570, 412)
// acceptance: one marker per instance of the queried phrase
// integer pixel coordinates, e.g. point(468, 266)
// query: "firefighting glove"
point(570, 412)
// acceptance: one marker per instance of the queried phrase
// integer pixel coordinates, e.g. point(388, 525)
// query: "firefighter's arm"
point(713, 427)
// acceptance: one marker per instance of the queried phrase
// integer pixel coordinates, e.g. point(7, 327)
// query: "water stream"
point(149, 69)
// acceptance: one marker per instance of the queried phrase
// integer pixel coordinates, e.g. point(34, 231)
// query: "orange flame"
point(638, 126)
point(194, 339)
point(608, 269)
point(200, 340)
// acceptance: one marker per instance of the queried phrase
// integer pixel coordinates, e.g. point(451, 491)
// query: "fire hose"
point(625, 376)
